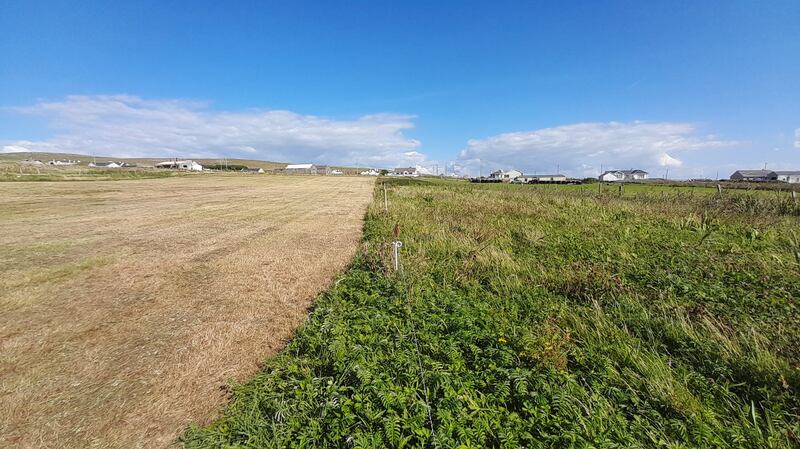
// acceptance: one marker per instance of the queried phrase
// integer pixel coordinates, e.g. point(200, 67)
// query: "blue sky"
point(693, 87)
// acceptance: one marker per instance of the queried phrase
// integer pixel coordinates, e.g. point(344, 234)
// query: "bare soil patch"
point(127, 307)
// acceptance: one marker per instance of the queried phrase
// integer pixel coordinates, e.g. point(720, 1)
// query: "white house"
point(63, 162)
point(370, 172)
point(404, 171)
point(181, 165)
point(505, 175)
point(550, 178)
point(792, 177)
point(623, 175)
point(253, 170)
point(526, 179)
point(110, 164)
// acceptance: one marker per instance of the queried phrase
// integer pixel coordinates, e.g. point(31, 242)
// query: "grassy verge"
point(544, 317)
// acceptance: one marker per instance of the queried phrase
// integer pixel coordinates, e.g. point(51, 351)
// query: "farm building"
point(534, 179)
point(301, 168)
point(110, 164)
point(253, 170)
point(623, 175)
point(505, 175)
point(181, 165)
point(63, 162)
point(550, 178)
point(792, 177)
point(404, 171)
point(370, 172)
point(754, 175)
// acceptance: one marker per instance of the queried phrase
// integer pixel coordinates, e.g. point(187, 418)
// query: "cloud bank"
point(129, 126)
point(580, 149)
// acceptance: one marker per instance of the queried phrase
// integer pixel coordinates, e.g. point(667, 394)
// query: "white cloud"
point(665, 160)
point(580, 149)
point(123, 125)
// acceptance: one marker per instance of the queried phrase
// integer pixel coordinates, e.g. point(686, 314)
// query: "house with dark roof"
point(623, 175)
point(754, 175)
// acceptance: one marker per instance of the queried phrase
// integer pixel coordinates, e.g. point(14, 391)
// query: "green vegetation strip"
point(544, 316)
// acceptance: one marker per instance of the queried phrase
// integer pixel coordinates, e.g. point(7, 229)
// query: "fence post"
point(794, 196)
point(719, 189)
point(385, 199)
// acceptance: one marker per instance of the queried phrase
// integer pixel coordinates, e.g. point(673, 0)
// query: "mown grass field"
point(544, 316)
point(127, 307)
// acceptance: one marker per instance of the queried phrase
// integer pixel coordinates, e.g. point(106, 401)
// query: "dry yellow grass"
point(126, 307)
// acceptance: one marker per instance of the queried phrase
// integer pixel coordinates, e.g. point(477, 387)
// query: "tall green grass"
point(543, 317)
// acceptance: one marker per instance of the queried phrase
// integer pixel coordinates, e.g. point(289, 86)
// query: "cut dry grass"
point(125, 308)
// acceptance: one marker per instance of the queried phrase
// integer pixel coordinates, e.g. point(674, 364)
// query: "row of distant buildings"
point(514, 176)
point(310, 169)
point(517, 177)
point(633, 175)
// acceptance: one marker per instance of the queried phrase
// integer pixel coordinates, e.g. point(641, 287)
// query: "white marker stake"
point(397, 244)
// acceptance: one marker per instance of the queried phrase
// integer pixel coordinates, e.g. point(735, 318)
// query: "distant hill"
point(85, 159)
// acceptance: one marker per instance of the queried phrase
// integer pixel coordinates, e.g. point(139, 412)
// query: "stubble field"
point(127, 307)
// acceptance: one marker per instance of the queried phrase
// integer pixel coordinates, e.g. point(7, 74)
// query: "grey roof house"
point(754, 175)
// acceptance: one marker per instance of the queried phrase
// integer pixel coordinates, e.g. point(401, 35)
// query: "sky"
point(695, 89)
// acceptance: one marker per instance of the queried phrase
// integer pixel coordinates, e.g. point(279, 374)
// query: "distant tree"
point(384, 172)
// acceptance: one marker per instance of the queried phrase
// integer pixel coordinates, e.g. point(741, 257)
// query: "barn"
point(754, 175)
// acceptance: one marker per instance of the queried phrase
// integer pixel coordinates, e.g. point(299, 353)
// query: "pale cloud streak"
point(129, 126)
point(580, 149)
point(797, 138)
